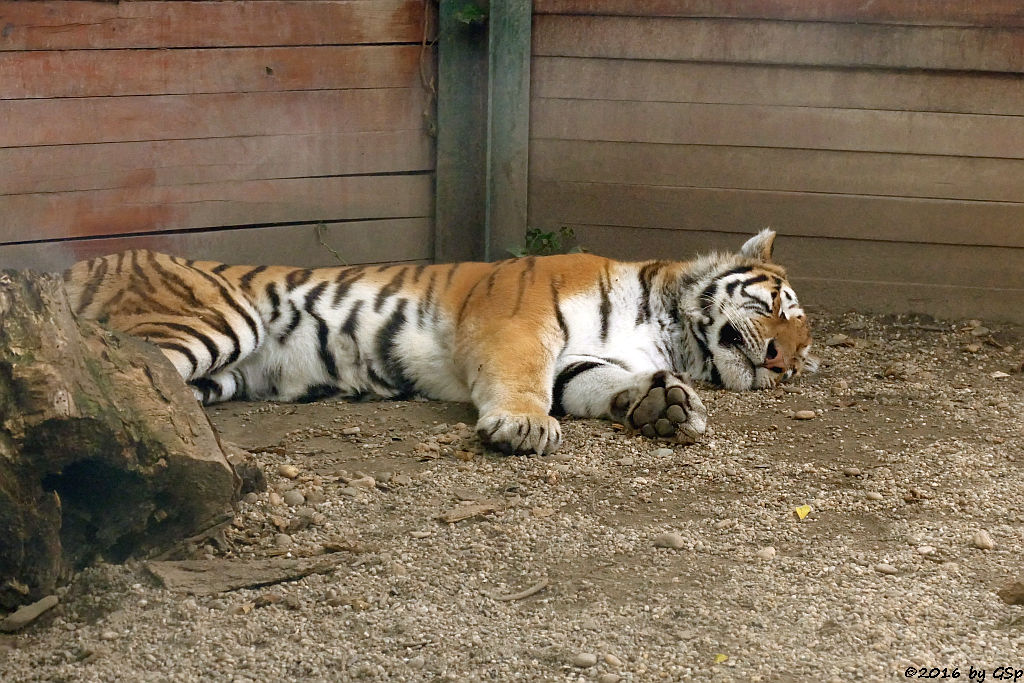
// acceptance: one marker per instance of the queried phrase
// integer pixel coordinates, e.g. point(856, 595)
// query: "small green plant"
point(470, 15)
point(540, 243)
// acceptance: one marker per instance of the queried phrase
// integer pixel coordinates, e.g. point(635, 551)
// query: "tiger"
point(525, 340)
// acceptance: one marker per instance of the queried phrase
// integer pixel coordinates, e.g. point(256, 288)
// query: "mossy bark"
point(103, 450)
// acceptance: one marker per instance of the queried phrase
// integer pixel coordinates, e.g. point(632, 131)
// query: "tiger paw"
point(510, 434)
point(670, 410)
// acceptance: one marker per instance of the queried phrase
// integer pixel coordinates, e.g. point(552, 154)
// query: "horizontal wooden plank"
point(771, 42)
point(794, 213)
point(71, 25)
point(742, 125)
point(99, 73)
point(867, 276)
point(62, 168)
point(173, 117)
point(789, 170)
point(145, 208)
point(804, 86)
point(374, 241)
point(943, 12)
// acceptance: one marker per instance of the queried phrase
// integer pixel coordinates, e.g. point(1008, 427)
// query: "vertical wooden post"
point(461, 191)
point(508, 125)
point(483, 129)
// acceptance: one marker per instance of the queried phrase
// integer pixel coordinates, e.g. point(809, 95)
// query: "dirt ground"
point(909, 477)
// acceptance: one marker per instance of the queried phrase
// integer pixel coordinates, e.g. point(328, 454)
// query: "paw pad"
point(675, 413)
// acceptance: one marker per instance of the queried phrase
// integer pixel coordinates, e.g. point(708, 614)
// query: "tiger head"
point(753, 332)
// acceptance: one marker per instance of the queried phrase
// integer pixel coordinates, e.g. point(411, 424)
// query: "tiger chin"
point(525, 340)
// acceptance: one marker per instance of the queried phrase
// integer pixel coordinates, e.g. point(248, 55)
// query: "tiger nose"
point(773, 360)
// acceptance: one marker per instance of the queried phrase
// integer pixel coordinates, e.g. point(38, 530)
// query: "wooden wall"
point(884, 141)
point(224, 130)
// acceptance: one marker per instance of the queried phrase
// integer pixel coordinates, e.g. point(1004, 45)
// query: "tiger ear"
point(759, 246)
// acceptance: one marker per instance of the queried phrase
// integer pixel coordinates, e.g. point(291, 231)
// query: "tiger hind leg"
point(222, 386)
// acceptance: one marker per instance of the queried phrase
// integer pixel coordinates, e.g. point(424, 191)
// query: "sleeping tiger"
point(524, 339)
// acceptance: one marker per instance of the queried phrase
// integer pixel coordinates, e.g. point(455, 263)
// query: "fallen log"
point(104, 452)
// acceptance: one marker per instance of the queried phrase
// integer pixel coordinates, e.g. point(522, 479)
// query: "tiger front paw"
point(670, 410)
point(510, 434)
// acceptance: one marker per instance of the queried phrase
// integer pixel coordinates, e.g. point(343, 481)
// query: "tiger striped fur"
point(522, 339)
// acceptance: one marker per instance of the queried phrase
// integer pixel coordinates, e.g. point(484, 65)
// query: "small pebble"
point(108, 635)
point(401, 480)
point(804, 415)
point(418, 662)
point(584, 660)
point(315, 497)
point(627, 461)
point(294, 497)
point(288, 471)
point(669, 540)
point(419, 534)
point(366, 482)
point(350, 491)
point(982, 540)
point(851, 471)
point(612, 660)
point(282, 540)
point(887, 569)
point(250, 497)
point(274, 498)
point(926, 550)
point(609, 678)
point(767, 554)
point(873, 495)
point(662, 452)
point(351, 431)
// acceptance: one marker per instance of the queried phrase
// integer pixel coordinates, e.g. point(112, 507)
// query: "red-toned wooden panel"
point(170, 117)
point(60, 168)
point(795, 86)
point(777, 42)
point(373, 241)
point(810, 214)
point(56, 25)
point(862, 130)
point(97, 73)
point(144, 208)
point(778, 169)
point(944, 12)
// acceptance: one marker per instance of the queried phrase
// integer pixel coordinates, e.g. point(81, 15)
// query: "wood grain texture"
point(71, 25)
point(788, 170)
point(174, 117)
point(897, 219)
point(146, 208)
point(770, 42)
point(62, 168)
point(860, 130)
point(99, 73)
point(941, 12)
point(462, 82)
point(756, 84)
point(868, 276)
point(373, 241)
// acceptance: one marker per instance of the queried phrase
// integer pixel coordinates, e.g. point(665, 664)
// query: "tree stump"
point(104, 452)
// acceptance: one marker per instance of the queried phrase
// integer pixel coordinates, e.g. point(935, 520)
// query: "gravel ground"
point(617, 558)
